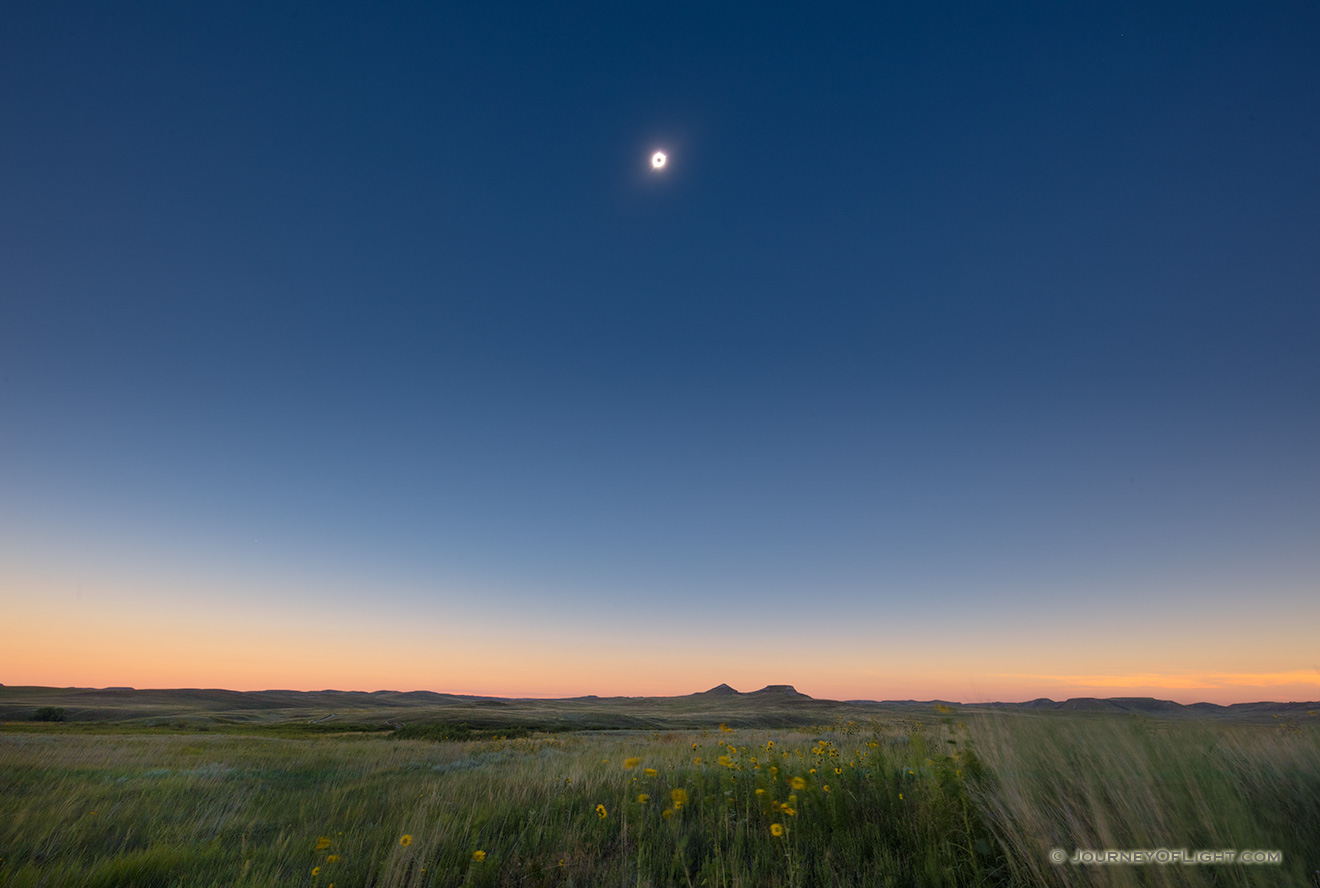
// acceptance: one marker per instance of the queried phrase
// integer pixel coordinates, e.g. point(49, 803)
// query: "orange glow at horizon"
point(144, 636)
point(159, 657)
point(1187, 681)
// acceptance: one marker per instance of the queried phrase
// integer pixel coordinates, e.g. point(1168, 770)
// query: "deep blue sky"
point(943, 314)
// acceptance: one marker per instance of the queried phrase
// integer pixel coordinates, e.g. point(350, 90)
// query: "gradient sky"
point(963, 350)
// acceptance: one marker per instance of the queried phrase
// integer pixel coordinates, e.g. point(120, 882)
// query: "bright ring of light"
point(658, 160)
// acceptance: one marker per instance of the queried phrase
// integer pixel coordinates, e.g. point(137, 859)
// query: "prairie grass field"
point(939, 799)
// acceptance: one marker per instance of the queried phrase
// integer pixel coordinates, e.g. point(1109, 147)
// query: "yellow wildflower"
point(333, 858)
point(405, 841)
point(650, 772)
point(643, 798)
point(631, 763)
point(726, 761)
point(776, 829)
point(322, 843)
point(679, 797)
point(791, 812)
point(760, 792)
point(316, 871)
point(478, 856)
point(797, 783)
point(601, 812)
point(826, 787)
point(667, 813)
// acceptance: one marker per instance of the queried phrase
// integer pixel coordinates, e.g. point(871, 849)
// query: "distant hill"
point(775, 693)
point(720, 690)
point(771, 706)
point(1150, 705)
point(781, 691)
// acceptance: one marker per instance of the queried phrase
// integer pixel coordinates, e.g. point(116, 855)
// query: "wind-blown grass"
point(852, 807)
point(952, 801)
point(1136, 783)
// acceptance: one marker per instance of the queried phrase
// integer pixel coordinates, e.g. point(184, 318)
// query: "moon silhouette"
point(658, 160)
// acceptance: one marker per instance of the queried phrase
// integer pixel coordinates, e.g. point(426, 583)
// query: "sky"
point(960, 351)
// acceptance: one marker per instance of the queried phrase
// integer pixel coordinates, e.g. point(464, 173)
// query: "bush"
point(49, 714)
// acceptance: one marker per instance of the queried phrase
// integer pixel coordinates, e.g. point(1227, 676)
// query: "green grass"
point(1099, 783)
point(941, 800)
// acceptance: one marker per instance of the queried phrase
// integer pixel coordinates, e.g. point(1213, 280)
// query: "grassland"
point(783, 794)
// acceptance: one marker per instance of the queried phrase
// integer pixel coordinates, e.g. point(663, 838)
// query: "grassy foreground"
point(900, 801)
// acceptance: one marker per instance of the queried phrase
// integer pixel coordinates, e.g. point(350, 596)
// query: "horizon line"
point(731, 691)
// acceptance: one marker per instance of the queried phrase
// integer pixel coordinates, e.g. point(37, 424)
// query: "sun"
point(658, 160)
